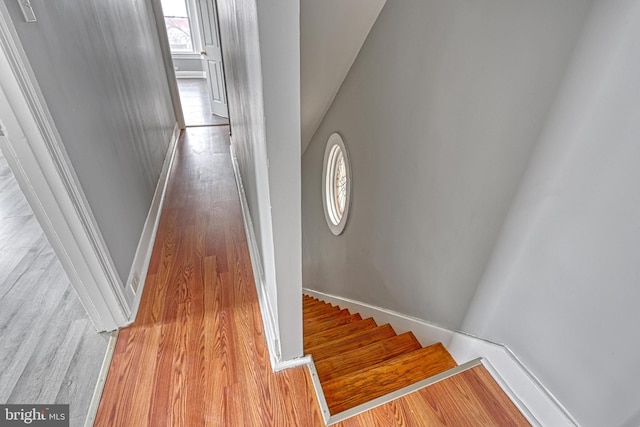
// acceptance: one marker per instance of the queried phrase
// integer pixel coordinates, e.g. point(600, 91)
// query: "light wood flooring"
point(196, 354)
point(196, 105)
point(49, 350)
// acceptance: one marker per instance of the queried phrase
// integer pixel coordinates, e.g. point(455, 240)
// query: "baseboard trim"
point(268, 319)
point(140, 265)
point(534, 400)
point(102, 378)
point(190, 75)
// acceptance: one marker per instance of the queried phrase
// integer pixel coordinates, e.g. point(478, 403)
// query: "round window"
point(336, 184)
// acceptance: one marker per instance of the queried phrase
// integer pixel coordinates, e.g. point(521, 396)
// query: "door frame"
point(165, 47)
point(156, 6)
point(35, 152)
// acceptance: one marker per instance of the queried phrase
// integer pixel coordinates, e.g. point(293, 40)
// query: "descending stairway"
point(357, 360)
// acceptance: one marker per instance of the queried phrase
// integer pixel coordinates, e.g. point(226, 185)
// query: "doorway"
point(194, 41)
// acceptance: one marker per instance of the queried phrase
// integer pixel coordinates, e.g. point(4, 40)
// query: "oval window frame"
point(335, 146)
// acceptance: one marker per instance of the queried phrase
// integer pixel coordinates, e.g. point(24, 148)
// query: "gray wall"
point(100, 68)
point(331, 34)
point(495, 158)
point(563, 285)
point(440, 112)
point(261, 47)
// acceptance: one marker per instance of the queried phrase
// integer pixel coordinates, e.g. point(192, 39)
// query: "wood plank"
point(453, 402)
point(349, 342)
point(359, 387)
point(310, 302)
point(365, 356)
point(338, 332)
point(308, 313)
point(343, 317)
point(196, 355)
point(325, 317)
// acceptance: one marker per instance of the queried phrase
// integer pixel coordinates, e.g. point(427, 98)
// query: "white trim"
point(534, 400)
point(322, 402)
point(335, 145)
point(140, 265)
point(268, 319)
point(156, 7)
point(102, 379)
point(281, 365)
point(44, 172)
point(191, 75)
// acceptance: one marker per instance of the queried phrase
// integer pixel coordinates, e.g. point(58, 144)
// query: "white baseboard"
point(268, 318)
point(190, 75)
point(102, 379)
point(140, 265)
point(535, 402)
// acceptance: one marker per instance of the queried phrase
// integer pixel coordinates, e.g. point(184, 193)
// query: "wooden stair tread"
point(320, 311)
point(338, 332)
point(349, 342)
point(367, 355)
point(312, 303)
point(326, 316)
point(307, 308)
point(366, 384)
point(331, 322)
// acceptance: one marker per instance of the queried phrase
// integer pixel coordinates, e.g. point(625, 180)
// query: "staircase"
point(357, 360)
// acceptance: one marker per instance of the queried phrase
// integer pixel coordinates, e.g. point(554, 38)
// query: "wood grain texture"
point(196, 354)
point(469, 399)
point(328, 335)
point(49, 351)
point(312, 312)
point(357, 361)
point(341, 318)
point(312, 321)
point(366, 356)
point(385, 377)
point(350, 342)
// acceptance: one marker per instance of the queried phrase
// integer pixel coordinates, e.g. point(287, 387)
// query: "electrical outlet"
point(135, 283)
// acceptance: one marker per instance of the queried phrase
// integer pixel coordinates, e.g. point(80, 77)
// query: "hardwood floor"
point(196, 105)
point(471, 398)
point(49, 350)
point(196, 354)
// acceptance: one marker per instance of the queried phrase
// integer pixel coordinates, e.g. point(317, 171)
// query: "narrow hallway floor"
point(196, 354)
point(196, 105)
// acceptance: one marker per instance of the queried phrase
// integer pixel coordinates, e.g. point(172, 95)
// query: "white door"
point(212, 56)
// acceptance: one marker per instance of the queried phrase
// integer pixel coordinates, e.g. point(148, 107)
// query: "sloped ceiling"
point(331, 35)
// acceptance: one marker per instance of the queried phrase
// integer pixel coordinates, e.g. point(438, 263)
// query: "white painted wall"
point(184, 63)
point(331, 35)
point(562, 287)
point(261, 48)
point(100, 69)
point(440, 112)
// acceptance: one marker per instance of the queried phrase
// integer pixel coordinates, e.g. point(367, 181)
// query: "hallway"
point(196, 354)
point(196, 105)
